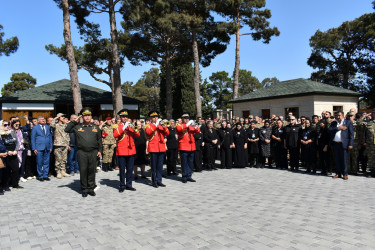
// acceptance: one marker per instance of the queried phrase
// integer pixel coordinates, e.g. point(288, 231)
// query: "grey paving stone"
point(224, 209)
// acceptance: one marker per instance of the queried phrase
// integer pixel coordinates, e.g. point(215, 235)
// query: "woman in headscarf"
point(226, 145)
point(253, 145)
point(265, 134)
point(240, 146)
point(11, 143)
point(308, 146)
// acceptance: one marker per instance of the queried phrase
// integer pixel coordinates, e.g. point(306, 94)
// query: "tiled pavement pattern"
point(230, 209)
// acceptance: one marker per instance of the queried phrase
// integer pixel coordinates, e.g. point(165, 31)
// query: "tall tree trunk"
point(113, 93)
point(237, 60)
point(197, 77)
point(115, 60)
point(168, 85)
point(73, 71)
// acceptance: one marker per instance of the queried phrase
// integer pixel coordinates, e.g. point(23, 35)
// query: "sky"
point(39, 22)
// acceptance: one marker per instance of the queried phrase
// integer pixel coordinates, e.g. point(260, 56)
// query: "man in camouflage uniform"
point(61, 145)
point(370, 143)
point(109, 144)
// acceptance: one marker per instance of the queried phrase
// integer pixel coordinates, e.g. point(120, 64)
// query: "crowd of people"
point(63, 146)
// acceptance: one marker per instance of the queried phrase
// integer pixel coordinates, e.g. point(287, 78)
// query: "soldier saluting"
point(89, 144)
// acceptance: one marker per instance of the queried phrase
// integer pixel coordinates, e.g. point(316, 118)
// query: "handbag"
point(2, 163)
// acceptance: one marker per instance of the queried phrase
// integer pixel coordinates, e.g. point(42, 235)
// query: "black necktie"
point(44, 131)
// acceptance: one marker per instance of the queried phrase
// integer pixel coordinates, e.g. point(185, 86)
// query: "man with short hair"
point(342, 139)
point(41, 144)
point(89, 144)
point(61, 144)
point(292, 142)
point(72, 155)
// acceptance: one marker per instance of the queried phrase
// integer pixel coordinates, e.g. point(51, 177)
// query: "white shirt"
point(337, 137)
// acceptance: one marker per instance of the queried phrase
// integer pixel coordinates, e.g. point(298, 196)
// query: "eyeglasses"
point(16, 124)
point(5, 125)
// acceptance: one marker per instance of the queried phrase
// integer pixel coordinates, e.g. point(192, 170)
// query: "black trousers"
point(87, 169)
point(198, 160)
point(210, 157)
point(254, 158)
point(226, 157)
point(324, 160)
point(10, 172)
point(171, 160)
point(30, 167)
point(294, 158)
point(280, 156)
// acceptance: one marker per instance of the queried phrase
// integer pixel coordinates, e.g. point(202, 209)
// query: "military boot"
point(105, 167)
point(64, 174)
point(58, 176)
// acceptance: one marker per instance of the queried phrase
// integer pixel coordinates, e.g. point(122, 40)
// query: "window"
point(266, 113)
point(245, 114)
point(337, 109)
point(294, 110)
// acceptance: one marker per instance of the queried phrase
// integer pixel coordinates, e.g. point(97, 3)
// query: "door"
point(266, 113)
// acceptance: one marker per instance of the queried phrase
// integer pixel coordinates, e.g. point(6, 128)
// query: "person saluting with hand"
point(89, 144)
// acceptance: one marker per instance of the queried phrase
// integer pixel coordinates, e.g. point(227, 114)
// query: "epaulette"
point(146, 126)
point(114, 126)
point(178, 124)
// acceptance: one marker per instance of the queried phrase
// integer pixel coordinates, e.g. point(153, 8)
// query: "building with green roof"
point(300, 96)
point(56, 97)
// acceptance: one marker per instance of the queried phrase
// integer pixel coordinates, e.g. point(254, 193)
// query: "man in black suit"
point(342, 138)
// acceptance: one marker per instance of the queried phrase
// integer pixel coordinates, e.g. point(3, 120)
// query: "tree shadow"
point(75, 186)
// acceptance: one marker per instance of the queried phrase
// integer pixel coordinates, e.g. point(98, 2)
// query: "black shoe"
point(191, 180)
point(18, 187)
point(130, 188)
point(7, 189)
point(144, 177)
point(229, 167)
point(169, 174)
point(136, 177)
point(110, 169)
point(84, 194)
point(155, 185)
point(121, 190)
point(184, 181)
point(47, 179)
point(92, 193)
point(1, 192)
point(40, 179)
point(174, 173)
point(161, 184)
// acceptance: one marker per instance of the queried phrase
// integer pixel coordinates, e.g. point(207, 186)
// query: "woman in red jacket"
point(186, 145)
point(125, 151)
point(156, 131)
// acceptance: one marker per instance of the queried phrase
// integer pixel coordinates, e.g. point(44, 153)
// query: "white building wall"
point(28, 106)
point(276, 106)
point(326, 103)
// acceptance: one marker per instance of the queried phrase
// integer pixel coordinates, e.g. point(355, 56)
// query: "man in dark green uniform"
point(89, 144)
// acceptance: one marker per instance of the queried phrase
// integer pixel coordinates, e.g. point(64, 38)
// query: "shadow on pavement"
point(75, 186)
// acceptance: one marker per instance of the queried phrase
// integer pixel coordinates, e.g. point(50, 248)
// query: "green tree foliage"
point(207, 107)
point(183, 90)
point(146, 89)
point(220, 89)
point(90, 32)
point(342, 54)
point(18, 82)
point(247, 82)
point(7, 46)
point(250, 14)
point(269, 81)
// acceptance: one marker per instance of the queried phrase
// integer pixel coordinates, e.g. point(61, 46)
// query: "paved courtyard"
point(232, 209)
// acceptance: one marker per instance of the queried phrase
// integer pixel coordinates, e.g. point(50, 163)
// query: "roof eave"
point(295, 95)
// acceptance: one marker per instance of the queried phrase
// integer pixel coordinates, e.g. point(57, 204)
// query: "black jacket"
point(172, 139)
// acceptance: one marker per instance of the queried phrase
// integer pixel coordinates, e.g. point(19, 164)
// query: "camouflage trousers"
point(353, 159)
point(61, 156)
point(370, 148)
point(108, 150)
